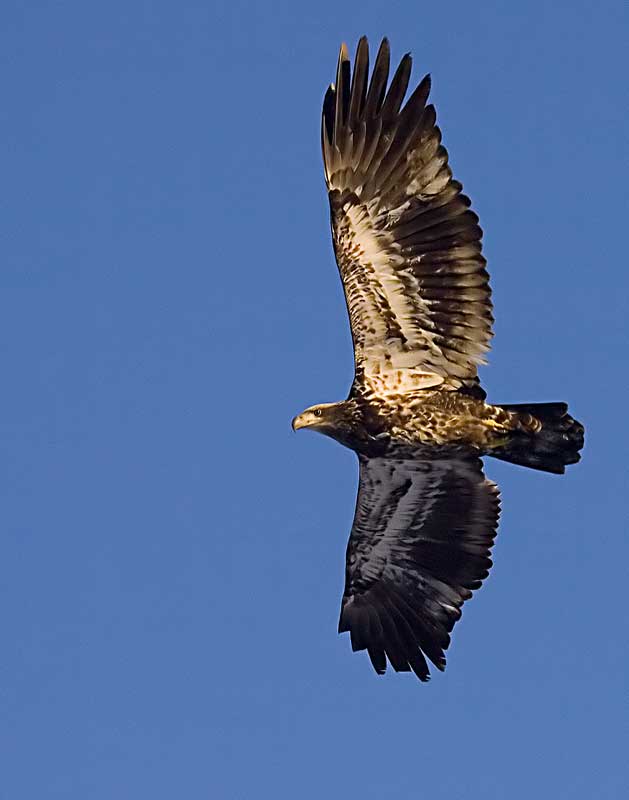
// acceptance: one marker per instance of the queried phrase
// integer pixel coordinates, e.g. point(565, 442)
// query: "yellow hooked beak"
point(299, 422)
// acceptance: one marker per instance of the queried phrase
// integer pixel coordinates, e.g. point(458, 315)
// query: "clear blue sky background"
point(172, 555)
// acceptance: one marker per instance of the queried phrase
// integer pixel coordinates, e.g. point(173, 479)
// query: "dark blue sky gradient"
point(172, 555)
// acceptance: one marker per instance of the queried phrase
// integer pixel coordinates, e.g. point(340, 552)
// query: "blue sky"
point(172, 555)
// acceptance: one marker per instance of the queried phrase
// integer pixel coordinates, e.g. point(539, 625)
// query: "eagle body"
point(433, 422)
point(408, 249)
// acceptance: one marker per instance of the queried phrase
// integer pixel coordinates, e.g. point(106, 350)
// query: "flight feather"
point(407, 245)
point(420, 544)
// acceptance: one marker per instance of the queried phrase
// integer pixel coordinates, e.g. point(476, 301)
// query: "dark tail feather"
point(551, 448)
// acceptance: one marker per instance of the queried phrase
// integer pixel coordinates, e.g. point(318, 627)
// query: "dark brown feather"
point(403, 232)
point(420, 543)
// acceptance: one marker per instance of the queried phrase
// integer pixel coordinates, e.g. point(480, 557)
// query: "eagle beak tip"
point(298, 422)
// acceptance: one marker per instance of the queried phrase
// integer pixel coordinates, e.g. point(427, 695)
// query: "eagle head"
point(345, 422)
point(324, 417)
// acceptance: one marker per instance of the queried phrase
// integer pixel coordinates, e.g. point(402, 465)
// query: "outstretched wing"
point(407, 246)
point(420, 543)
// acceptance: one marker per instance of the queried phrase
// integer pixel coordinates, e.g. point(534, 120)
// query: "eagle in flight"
point(408, 249)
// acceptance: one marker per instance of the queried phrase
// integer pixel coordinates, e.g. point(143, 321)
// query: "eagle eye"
point(317, 412)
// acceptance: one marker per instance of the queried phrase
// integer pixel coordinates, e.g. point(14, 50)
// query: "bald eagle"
point(408, 249)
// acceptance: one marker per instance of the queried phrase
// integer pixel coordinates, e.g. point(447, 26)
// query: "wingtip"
point(343, 53)
point(425, 85)
point(362, 52)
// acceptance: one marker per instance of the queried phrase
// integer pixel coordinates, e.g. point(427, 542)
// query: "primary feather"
point(407, 246)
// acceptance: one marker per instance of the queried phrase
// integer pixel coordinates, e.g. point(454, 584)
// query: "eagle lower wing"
point(407, 245)
point(420, 544)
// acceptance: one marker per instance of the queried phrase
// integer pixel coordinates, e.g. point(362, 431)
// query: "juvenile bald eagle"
point(408, 249)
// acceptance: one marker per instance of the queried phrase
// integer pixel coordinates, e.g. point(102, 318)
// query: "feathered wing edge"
point(394, 201)
point(420, 545)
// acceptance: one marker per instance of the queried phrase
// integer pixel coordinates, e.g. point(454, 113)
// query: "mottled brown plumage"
point(408, 249)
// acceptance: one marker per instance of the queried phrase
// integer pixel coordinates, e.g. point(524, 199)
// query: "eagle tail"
point(551, 447)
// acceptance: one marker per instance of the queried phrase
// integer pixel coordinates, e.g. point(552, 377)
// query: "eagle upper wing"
point(407, 246)
point(420, 543)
